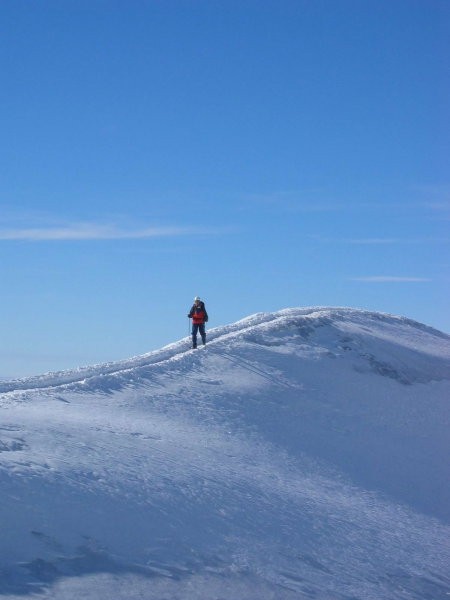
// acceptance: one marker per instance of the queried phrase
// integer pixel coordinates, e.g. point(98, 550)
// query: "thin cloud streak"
point(390, 279)
point(391, 241)
point(92, 231)
point(380, 241)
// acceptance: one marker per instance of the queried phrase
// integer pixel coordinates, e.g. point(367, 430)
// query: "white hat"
point(196, 298)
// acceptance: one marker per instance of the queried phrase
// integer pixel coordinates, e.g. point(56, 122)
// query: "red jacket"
point(198, 314)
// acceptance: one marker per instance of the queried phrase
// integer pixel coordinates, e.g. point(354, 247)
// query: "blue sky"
point(262, 154)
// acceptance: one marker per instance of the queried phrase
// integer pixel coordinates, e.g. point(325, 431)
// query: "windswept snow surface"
point(300, 454)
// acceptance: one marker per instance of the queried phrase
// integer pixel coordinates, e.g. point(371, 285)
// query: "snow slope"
point(301, 454)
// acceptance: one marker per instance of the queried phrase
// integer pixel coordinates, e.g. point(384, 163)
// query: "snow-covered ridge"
point(406, 333)
point(302, 454)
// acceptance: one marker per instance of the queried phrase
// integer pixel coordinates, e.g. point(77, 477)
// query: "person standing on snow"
point(199, 317)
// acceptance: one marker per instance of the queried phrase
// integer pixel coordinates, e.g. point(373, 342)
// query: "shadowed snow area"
point(300, 454)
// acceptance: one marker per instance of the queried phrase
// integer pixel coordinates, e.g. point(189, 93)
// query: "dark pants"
point(196, 328)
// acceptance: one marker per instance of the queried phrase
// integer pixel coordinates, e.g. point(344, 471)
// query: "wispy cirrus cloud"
point(380, 241)
point(97, 231)
point(323, 200)
point(390, 279)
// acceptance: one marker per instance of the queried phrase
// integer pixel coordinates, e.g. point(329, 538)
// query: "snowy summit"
point(299, 454)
